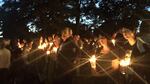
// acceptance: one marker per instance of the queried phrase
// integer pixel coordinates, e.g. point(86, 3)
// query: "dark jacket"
point(67, 54)
point(141, 54)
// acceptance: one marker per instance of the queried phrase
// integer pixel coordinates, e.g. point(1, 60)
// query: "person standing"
point(5, 57)
point(140, 52)
point(109, 62)
point(67, 53)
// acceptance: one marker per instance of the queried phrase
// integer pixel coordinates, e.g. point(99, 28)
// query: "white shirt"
point(5, 57)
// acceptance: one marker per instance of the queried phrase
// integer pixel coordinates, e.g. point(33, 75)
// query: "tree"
point(51, 16)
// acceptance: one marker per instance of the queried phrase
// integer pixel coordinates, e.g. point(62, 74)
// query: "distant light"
point(18, 9)
point(36, 19)
point(72, 20)
point(138, 28)
point(147, 8)
point(1, 36)
point(92, 31)
point(103, 21)
point(47, 15)
point(97, 5)
point(87, 19)
point(69, 6)
point(99, 25)
point(17, 0)
point(1, 32)
point(32, 27)
point(92, 28)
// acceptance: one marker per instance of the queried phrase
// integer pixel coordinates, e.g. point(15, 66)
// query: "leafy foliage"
point(82, 15)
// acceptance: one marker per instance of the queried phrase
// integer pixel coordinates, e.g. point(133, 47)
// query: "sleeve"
point(143, 43)
point(145, 38)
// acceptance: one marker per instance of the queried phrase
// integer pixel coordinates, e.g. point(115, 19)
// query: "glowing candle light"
point(125, 62)
point(47, 52)
point(50, 44)
point(55, 49)
point(40, 47)
point(93, 62)
point(19, 45)
point(81, 47)
point(44, 45)
point(113, 41)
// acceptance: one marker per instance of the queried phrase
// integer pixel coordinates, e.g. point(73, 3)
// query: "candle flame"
point(50, 44)
point(125, 62)
point(81, 47)
point(47, 52)
point(55, 49)
point(19, 45)
point(113, 41)
point(93, 61)
point(44, 45)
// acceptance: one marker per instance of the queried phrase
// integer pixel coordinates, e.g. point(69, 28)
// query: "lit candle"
point(40, 47)
point(93, 62)
point(81, 47)
point(44, 45)
point(50, 44)
point(113, 41)
point(125, 62)
point(19, 45)
point(47, 52)
point(55, 49)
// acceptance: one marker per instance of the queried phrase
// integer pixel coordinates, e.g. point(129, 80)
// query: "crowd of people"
point(64, 59)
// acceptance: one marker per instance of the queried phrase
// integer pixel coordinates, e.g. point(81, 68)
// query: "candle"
point(93, 62)
point(55, 49)
point(47, 52)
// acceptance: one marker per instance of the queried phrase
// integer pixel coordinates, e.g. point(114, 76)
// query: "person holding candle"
point(109, 61)
point(140, 58)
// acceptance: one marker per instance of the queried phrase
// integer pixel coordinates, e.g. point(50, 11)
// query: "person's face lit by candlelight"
point(129, 36)
point(103, 41)
point(66, 33)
